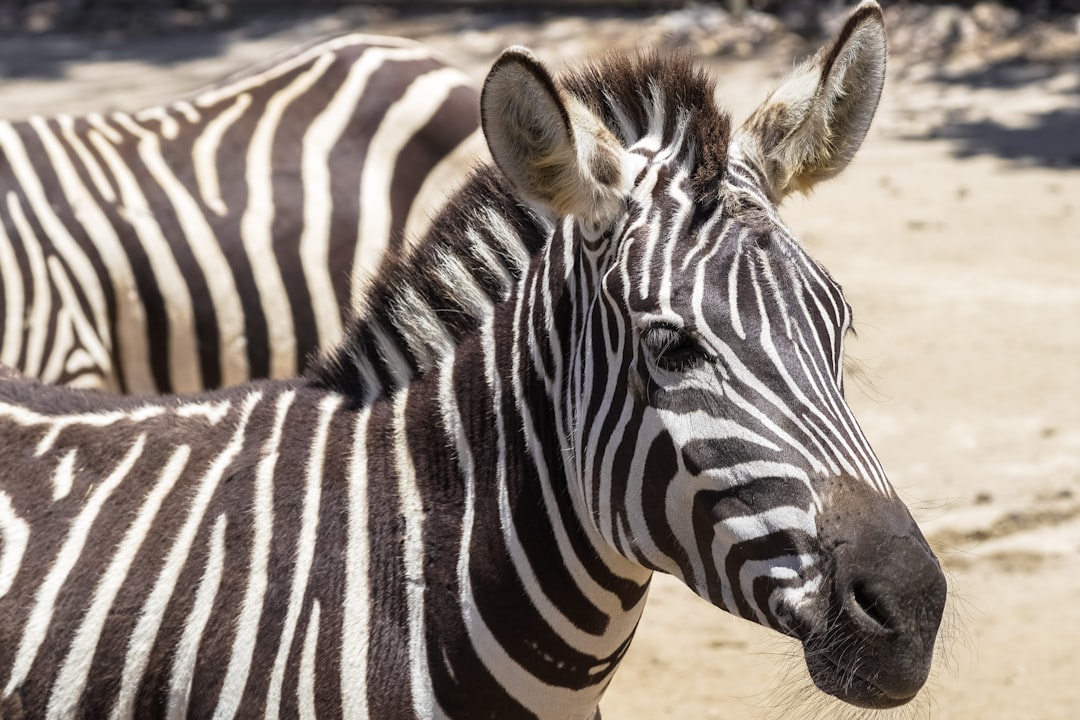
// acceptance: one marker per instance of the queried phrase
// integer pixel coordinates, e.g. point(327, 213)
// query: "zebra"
point(661, 390)
point(219, 238)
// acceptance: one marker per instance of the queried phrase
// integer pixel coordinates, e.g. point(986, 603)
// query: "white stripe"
point(89, 340)
point(57, 423)
point(597, 595)
point(743, 375)
point(605, 513)
point(319, 142)
point(733, 297)
point(387, 348)
point(616, 563)
point(643, 542)
point(91, 381)
point(70, 681)
point(506, 670)
point(14, 299)
point(187, 650)
point(830, 401)
point(482, 255)
point(412, 510)
point(52, 226)
point(786, 568)
point(508, 242)
point(79, 361)
point(212, 412)
point(515, 679)
point(537, 696)
point(204, 154)
point(357, 601)
point(37, 624)
point(305, 549)
point(64, 475)
point(37, 323)
point(810, 278)
point(185, 108)
point(652, 230)
point(250, 612)
point(168, 127)
point(793, 389)
point(142, 638)
point(775, 519)
point(454, 274)
point(207, 251)
point(14, 534)
point(103, 128)
point(184, 369)
point(679, 219)
point(63, 342)
point(586, 386)
point(425, 335)
point(89, 162)
point(305, 687)
point(129, 328)
point(256, 225)
point(401, 122)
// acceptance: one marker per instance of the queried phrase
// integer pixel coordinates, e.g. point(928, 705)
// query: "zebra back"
point(222, 237)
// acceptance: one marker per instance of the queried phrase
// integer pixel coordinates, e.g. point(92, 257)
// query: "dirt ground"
point(956, 235)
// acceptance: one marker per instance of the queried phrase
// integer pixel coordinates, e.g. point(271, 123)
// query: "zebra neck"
point(517, 571)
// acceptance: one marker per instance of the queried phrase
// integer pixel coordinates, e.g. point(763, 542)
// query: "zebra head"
point(696, 363)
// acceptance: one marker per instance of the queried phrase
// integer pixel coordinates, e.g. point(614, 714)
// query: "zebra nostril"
point(868, 606)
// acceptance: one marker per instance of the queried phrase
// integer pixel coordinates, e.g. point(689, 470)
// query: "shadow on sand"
point(1051, 140)
point(1047, 139)
point(50, 56)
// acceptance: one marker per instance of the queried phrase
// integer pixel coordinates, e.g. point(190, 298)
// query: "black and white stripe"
point(219, 238)
point(659, 391)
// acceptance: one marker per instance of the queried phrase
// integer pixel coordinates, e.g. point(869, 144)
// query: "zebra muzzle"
point(883, 605)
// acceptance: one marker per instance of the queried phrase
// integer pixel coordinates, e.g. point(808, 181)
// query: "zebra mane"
point(637, 94)
point(424, 301)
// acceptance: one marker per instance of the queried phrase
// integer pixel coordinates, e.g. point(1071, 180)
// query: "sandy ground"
point(956, 234)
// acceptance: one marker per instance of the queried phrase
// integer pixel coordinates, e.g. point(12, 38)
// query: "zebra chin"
point(877, 617)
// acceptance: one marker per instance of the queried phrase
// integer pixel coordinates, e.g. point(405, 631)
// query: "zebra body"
point(221, 238)
point(295, 537)
point(660, 390)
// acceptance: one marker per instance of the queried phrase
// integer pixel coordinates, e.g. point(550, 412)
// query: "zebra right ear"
point(808, 130)
point(554, 149)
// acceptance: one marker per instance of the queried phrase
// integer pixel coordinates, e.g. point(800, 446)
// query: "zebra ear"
point(809, 128)
point(555, 151)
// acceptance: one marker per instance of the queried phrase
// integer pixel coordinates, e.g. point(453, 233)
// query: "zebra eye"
point(674, 349)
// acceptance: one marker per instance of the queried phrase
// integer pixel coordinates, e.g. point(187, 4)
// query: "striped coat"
point(660, 391)
point(222, 237)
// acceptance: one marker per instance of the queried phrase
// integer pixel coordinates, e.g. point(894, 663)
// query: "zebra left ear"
point(810, 127)
point(553, 148)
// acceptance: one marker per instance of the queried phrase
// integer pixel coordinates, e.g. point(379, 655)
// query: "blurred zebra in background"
point(222, 237)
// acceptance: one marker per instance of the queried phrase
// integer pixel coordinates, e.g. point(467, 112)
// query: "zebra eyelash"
point(674, 349)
